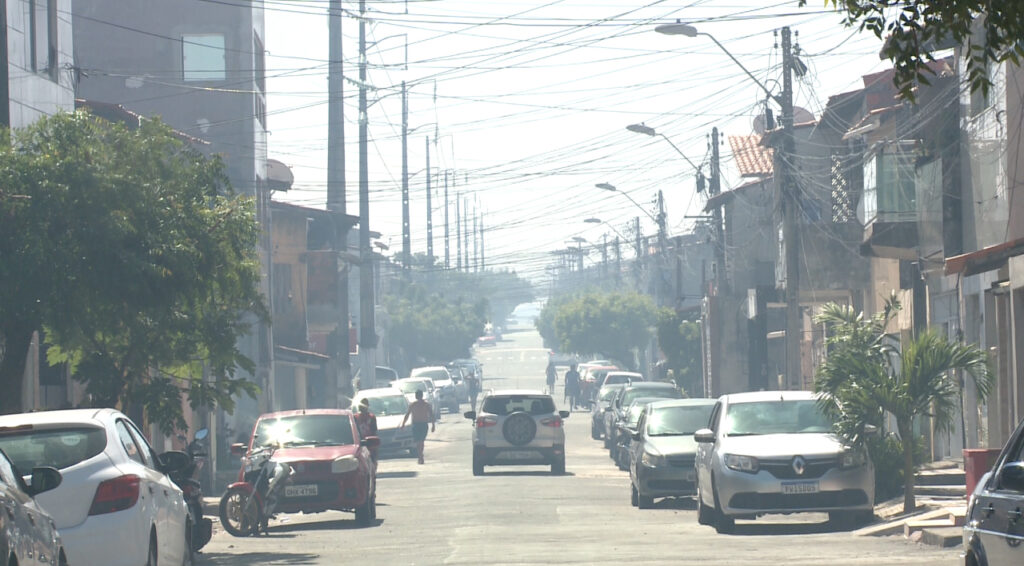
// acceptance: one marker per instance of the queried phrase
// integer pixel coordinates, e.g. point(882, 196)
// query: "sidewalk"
point(938, 520)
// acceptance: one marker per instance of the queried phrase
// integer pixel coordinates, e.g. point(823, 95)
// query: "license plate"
point(798, 487)
point(300, 490)
point(521, 455)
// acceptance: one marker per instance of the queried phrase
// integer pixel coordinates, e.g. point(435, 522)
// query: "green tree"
point(135, 256)
point(867, 377)
point(680, 342)
point(915, 29)
point(430, 328)
point(611, 324)
point(545, 321)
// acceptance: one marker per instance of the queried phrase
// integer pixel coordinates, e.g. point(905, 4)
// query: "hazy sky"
point(531, 99)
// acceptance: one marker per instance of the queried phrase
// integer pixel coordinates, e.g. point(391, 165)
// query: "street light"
point(649, 131)
point(611, 187)
point(599, 221)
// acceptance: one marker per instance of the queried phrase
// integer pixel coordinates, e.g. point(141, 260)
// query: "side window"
point(130, 447)
point(145, 449)
point(7, 473)
point(641, 423)
point(715, 413)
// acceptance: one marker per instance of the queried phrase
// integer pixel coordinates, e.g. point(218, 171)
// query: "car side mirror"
point(563, 414)
point(704, 436)
point(635, 435)
point(471, 415)
point(44, 479)
point(173, 461)
point(370, 442)
point(1012, 476)
point(237, 449)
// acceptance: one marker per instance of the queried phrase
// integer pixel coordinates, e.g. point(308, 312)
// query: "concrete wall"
point(38, 93)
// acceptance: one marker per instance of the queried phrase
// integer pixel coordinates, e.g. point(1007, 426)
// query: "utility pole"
point(790, 234)
point(447, 249)
point(476, 236)
point(618, 261)
point(367, 323)
point(714, 188)
point(430, 218)
point(458, 232)
point(406, 236)
point(483, 262)
point(342, 385)
point(604, 256)
point(465, 231)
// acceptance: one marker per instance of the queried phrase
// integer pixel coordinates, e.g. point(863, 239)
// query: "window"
point(57, 447)
point(331, 430)
point(42, 36)
point(128, 442)
point(203, 57)
point(145, 450)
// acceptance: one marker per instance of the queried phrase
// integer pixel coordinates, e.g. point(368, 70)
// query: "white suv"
point(518, 428)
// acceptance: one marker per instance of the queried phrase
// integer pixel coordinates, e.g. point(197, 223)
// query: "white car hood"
point(389, 422)
point(782, 445)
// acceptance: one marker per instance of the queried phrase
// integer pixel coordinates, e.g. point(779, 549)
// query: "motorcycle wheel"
point(239, 512)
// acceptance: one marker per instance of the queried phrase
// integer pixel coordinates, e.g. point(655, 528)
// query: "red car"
point(332, 465)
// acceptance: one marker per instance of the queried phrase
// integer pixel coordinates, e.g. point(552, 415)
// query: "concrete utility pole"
point(604, 256)
point(335, 194)
point(618, 261)
point(430, 218)
point(465, 231)
point(714, 188)
point(406, 236)
point(458, 231)
point(483, 262)
point(476, 236)
point(790, 234)
point(447, 248)
point(367, 323)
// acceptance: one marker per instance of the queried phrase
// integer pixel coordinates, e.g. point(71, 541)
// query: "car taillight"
point(117, 494)
point(483, 422)
point(554, 422)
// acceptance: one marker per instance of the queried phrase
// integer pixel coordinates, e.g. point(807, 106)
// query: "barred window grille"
point(842, 201)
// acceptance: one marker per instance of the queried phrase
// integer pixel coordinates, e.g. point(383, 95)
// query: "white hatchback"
point(115, 506)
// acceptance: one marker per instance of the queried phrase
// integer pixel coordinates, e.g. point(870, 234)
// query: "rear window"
point(304, 430)
point(659, 392)
point(57, 447)
point(532, 404)
point(776, 417)
point(412, 386)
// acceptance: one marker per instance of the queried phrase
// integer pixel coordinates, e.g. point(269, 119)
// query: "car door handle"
point(989, 510)
point(1014, 515)
point(31, 518)
point(150, 490)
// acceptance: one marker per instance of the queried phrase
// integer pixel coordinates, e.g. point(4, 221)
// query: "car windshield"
point(412, 386)
point(775, 417)
point(390, 405)
point(630, 395)
point(674, 421)
point(634, 414)
point(300, 430)
point(532, 404)
point(608, 394)
point(435, 374)
point(57, 447)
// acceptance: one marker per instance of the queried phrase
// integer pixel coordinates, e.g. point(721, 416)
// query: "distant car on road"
point(992, 530)
point(383, 377)
point(410, 385)
point(446, 393)
point(518, 427)
point(28, 534)
point(775, 452)
point(116, 504)
point(601, 405)
point(661, 458)
point(389, 405)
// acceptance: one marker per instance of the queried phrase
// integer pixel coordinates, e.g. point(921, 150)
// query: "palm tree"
point(866, 377)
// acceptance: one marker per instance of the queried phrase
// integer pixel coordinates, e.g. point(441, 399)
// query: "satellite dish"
point(279, 175)
point(802, 115)
point(759, 122)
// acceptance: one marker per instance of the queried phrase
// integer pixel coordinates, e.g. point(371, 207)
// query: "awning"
point(985, 259)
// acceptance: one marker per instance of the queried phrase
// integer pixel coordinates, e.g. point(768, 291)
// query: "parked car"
point(410, 385)
point(331, 465)
point(775, 452)
point(28, 533)
point(661, 457)
point(383, 377)
point(518, 428)
point(627, 428)
point(446, 394)
point(625, 397)
point(115, 505)
point(626, 377)
point(459, 381)
point(992, 527)
point(389, 405)
point(601, 405)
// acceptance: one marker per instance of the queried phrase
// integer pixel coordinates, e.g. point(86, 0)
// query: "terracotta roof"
point(752, 159)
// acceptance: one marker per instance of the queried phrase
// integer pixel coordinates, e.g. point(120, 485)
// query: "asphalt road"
point(439, 513)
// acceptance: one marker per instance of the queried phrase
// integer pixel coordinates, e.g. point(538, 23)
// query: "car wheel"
point(189, 557)
point(558, 468)
point(595, 432)
point(478, 466)
point(723, 523)
point(634, 495)
point(705, 515)
point(62, 560)
point(644, 501)
point(151, 556)
point(366, 511)
point(608, 441)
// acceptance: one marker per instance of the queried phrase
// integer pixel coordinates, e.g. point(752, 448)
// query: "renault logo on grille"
point(799, 465)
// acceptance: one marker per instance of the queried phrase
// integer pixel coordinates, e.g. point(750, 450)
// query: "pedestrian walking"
point(366, 422)
point(552, 375)
point(422, 414)
point(572, 386)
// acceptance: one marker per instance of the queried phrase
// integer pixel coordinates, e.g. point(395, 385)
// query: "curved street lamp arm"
point(737, 61)
point(679, 151)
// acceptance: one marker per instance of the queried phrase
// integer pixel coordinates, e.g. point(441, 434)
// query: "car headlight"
point(652, 460)
point(344, 465)
point(741, 463)
point(853, 459)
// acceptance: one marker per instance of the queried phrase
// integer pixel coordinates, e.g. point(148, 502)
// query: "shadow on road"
point(396, 475)
point(677, 503)
point(527, 474)
point(331, 525)
point(776, 529)
point(222, 559)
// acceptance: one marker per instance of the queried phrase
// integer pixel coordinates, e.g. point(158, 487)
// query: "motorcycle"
point(202, 528)
point(247, 506)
